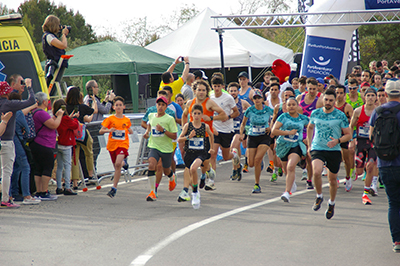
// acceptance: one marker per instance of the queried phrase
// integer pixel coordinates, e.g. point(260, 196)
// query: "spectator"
point(179, 99)
point(75, 103)
point(168, 79)
point(186, 90)
point(44, 145)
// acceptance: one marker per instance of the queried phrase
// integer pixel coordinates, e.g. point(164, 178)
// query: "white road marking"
point(148, 254)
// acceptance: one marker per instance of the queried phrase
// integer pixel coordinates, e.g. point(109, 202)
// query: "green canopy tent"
point(115, 58)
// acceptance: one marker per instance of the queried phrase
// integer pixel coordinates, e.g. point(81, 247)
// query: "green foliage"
point(378, 42)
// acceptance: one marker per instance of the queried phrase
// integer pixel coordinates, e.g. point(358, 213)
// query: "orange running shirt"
point(120, 137)
point(205, 112)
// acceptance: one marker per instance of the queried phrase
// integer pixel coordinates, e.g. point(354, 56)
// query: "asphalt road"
point(232, 227)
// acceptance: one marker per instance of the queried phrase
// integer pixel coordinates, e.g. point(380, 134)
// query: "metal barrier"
point(99, 142)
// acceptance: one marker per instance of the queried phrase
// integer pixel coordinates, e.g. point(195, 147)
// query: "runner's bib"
point(156, 133)
point(363, 132)
point(196, 144)
point(258, 130)
point(236, 125)
point(292, 138)
point(118, 135)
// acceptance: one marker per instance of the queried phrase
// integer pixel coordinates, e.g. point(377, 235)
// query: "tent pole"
point(221, 52)
point(250, 74)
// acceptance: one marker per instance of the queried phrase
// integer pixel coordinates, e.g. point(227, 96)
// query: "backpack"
point(80, 132)
point(31, 124)
point(386, 133)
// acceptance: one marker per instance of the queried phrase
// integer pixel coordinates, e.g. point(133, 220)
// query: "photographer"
point(53, 48)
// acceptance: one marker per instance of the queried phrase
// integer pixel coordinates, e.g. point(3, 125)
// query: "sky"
point(111, 15)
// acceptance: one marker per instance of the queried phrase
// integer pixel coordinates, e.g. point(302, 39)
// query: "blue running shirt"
point(327, 125)
point(289, 123)
point(258, 120)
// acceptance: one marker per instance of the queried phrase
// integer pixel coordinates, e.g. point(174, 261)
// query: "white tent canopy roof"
point(241, 48)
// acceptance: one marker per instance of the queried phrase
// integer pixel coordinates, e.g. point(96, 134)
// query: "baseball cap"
point(200, 74)
point(162, 99)
point(257, 93)
point(393, 86)
point(365, 84)
point(370, 90)
point(243, 74)
point(5, 88)
point(320, 80)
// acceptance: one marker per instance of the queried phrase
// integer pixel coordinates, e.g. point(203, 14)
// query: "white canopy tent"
point(241, 48)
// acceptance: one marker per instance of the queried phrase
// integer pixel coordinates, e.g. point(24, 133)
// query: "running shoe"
point(183, 196)
point(31, 201)
point(317, 203)
point(280, 172)
point(396, 246)
point(309, 184)
point(366, 200)
point(353, 174)
point(373, 191)
point(151, 197)
point(364, 176)
point(274, 177)
point(324, 171)
point(269, 168)
point(256, 189)
point(304, 175)
point(126, 165)
point(381, 185)
point(69, 192)
point(202, 180)
point(330, 211)
point(210, 185)
point(10, 204)
point(196, 200)
point(285, 197)
point(172, 183)
point(246, 168)
point(234, 175)
point(211, 173)
point(239, 172)
point(59, 191)
point(236, 159)
point(112, 192)
point(46, 196)
point(294, 187)
point(349, 185)
point(302, 163)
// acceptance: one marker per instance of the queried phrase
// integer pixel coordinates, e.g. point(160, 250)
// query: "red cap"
point(5, 88)
point(365, 84)
point(163, 99)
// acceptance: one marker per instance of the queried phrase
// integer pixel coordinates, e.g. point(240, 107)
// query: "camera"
point(63, 107)
point(76, 108)
point(69, 28)
point(181, 59)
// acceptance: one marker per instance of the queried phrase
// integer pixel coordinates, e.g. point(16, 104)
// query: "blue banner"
point(382, 4)
point(322, 57)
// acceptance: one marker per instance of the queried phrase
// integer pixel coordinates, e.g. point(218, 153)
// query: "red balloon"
point(281, 69)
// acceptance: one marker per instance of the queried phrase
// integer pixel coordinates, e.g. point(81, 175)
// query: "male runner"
point(326, 125)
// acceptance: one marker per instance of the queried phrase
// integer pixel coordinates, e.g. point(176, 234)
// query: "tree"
point(4, 10)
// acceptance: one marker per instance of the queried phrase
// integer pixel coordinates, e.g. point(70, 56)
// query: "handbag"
point(80, 132)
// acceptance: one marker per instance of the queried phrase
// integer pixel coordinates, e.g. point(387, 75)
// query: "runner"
point(202, 89)
point(273, 99)
point(354, 97)
point(161, 130)
point(329, 123)
point(242, 105)
point(309, 101)
point(258, 138)
point(289, 145)
point(197, 150)
point(365, 154)
point(224, 135)
point(347, 154)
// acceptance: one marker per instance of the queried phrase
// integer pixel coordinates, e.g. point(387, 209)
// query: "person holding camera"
point(168, 79)
point(104, 107)
point(53, 48)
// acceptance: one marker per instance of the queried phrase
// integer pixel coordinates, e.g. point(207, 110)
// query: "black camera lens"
point(23, 82)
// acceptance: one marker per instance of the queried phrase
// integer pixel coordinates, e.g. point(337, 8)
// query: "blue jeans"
point(22, 171)
point(391, 179)
point(64, 163)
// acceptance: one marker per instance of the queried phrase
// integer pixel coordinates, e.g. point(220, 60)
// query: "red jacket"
point(66, 136)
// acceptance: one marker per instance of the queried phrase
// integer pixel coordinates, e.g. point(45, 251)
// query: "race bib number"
point(155, 133)
point(258, 130)
point(196, 144)
point(292, 138)
point(236, 125)
point(363, 132)
point(118, 135)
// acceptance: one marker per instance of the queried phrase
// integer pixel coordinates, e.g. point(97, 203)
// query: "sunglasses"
point(353, 88)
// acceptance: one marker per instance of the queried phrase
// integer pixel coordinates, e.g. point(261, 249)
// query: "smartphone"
point(181, 59)
point(76, 108)
point(90, 91)
point(63, 107)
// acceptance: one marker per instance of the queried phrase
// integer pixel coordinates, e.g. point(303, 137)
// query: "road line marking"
point(148, 254)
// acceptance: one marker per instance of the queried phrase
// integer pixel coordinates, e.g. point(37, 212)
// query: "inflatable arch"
point(326, 49)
